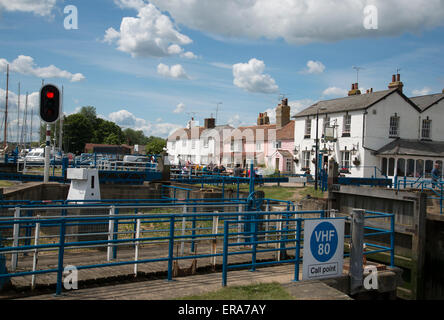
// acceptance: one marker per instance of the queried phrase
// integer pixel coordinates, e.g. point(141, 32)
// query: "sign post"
point(323, 249)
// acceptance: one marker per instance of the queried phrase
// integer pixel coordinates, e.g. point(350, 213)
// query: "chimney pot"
point(393, 78)
point(398, 77)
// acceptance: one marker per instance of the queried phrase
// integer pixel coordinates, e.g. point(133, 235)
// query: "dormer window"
point(394, 126)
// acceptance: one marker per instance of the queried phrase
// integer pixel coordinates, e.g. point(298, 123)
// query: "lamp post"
point(317, 148)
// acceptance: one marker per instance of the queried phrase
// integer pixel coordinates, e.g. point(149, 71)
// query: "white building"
point(382, 132)
point(198, 145)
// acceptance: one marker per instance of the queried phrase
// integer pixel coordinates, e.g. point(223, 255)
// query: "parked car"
point(36, 156)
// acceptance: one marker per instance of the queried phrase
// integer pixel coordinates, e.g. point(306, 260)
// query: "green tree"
point(155, 145)
point(77, 132)
point(104, 129)
point(112, 139)
point(133, 137)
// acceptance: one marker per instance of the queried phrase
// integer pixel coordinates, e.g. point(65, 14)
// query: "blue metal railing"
point(167, 230)
point(64, 221)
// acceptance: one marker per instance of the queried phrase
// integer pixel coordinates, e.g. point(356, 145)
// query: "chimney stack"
point(210, 123)
point(282, 114)
point(263, 119)
point(396, 83)
point(354, 90)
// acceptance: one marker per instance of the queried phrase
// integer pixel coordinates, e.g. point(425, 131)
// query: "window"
point(401, 168)
point(205, 142)
point(173, 145)
point(258, 146)
point(346, 126)
point(428, 168)
point(391, 170)
point(345, 159)
point(426, 126)
point(307, 129)
point(410, 167)
point(419, 168)
point(232, 145)
point(193, 144)
point(439, 163)
point(184, 143)
point(289, 165)
point(384, 167)
point(394, 126)
point(277, 144)
point(306, 159)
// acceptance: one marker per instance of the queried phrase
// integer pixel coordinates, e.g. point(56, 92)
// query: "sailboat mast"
point(61, 123)
point(18, 115)
point(5, 133)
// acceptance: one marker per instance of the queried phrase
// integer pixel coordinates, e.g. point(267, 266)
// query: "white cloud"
point(303, 21)
point(26, 65)
point(422, 92)
point(314, 67)
point(126, 119)
point(188, 55)
point(334, 92)
point(38, 7)
point(179, 108)
point(250, 77)
point(150, 34)
point(176, 71)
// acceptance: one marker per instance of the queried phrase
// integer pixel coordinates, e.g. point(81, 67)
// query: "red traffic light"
point(50, 95)
point(49, 103)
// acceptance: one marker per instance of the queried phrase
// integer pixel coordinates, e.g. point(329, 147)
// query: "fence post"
point(214, 242)
point(392, 241)
point(171, 250)
point(36, 252)
point(279, 236)
point(115, 233)
point(3, 281)
point(267, 222)
point(225, 255)
point(253, 256)
point(15, 242)
point(239, 224)
point(298, 249)
point(110, 232)
point(193, 231)
point(136, 253)
point(61, 254)
point(184, 222)
point(357, 251)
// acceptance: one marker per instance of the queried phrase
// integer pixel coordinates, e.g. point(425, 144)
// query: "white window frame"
point(345, 163)
point(426, 128)
point(306, 155)
point(346, 126)
point(394, 126)
point(307, 131)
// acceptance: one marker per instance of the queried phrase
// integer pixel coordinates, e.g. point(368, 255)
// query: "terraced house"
point(373, 133)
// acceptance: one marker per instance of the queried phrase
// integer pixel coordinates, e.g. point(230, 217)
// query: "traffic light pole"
point(47, 153)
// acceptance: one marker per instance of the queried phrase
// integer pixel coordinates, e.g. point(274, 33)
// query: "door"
point(277, 164)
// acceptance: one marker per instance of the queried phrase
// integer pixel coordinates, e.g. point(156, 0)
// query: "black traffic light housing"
point(49, 103)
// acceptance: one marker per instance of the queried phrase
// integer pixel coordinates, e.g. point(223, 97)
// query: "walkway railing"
point(161, 227)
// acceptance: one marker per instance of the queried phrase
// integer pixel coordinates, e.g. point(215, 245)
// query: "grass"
point(5, 183)
point(310, 191)
point(267, 291)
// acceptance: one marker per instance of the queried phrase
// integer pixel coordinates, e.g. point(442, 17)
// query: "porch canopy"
point(418, 148)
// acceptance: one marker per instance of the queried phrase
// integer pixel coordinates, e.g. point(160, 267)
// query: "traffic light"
point(49, 103)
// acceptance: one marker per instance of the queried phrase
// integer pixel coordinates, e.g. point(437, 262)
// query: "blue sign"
point(324, 241)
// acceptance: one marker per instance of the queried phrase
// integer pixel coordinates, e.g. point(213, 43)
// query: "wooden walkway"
point(49, 260)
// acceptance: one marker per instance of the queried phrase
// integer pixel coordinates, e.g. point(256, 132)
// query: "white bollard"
point(214, 244)
point(112, 212)
point(36, 252)
point(136, 253)
point(15, 241)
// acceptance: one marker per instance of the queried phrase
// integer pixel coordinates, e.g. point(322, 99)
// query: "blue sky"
point(245, 55)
